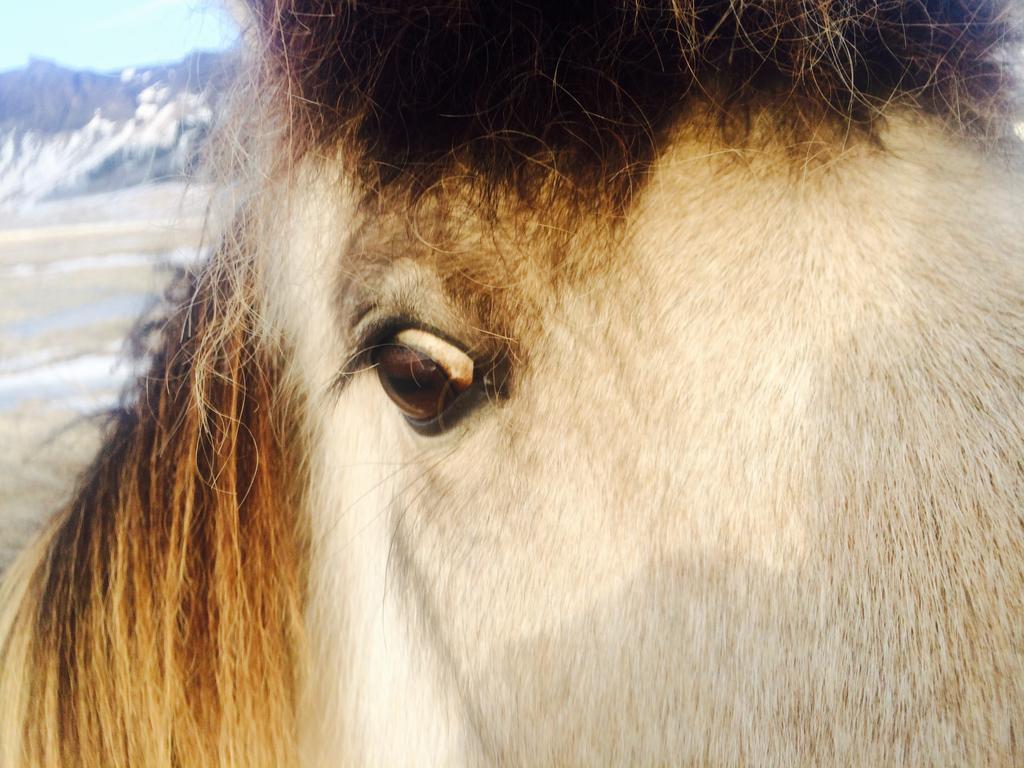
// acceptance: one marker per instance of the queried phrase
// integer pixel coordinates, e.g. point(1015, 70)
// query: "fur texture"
point(161, 624)
point(589, 90)
point(754, 497)
point(749, 491)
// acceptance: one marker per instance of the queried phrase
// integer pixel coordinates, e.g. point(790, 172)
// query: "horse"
point(573, 384)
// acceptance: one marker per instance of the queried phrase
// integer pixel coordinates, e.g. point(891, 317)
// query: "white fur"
point(756, 496)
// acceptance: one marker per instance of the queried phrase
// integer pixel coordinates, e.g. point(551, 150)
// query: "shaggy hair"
point(159, 621)
point(162, 623)
point(589, 90)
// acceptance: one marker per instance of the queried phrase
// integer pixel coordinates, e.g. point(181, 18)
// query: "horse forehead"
point(480, 238)
point(728, 223)
point(516, 258)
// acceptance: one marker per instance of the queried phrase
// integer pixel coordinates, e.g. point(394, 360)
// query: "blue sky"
point(110, 34)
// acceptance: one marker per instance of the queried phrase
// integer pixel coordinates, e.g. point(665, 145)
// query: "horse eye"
point(422, 374)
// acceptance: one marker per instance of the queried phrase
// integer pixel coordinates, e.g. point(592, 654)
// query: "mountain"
point(67, 132)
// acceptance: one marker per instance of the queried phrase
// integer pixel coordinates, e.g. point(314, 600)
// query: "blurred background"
point(104, 110)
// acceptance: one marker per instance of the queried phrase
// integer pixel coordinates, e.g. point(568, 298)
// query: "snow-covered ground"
point(74, 276)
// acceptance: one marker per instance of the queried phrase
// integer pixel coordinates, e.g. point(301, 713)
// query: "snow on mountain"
point(66, 132)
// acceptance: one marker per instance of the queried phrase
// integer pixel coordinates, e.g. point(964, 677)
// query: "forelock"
point(588, 92)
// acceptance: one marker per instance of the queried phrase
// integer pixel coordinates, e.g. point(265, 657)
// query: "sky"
point(111, 34)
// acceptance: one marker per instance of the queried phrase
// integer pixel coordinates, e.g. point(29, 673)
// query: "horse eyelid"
point(457, 363)
point(374, 332)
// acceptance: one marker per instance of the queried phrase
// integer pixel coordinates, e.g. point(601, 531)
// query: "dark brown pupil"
point(414, 381)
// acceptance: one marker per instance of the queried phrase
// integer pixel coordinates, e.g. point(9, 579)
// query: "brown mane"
point(166, 613)
point(590, 89)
